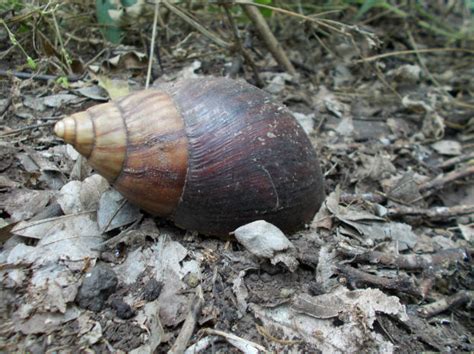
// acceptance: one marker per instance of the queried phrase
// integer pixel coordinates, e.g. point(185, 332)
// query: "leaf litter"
point(385, 265)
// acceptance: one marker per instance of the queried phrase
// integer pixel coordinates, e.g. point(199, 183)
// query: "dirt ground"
point(386, 97)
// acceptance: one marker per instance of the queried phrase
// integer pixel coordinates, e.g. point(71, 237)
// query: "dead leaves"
point(312, 318)
point(398, 233)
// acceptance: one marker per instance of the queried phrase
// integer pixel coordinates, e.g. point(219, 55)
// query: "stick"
point(152, 44)
point(441, 180)
point(244, 345)
point(196, 25)
point(437, 213)
point(201, 345)
point(189, 324)
point(335, 26)
point(238, 42)
point(348, 198)
point(23, 75)
point(444, 258)
point(402, 284)
point(411, 51)
point(28, 127)
point(460, 298)
point(455, 160)
point(268, 38)
point(6, 106)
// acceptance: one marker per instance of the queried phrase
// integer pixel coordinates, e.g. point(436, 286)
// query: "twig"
point(377, 70)
point(348, 198)
point(436, 213)
point(381, 77)
point(189, 324)
point(114, 240)
point(23, 75)
point(15, 44)
point(201, 345)
point(321, 42)
point(243, 344)
point(112, 217)
point(264, 333)
point(460, 298)
point(430, 76)
point(5, 106)
point(402, 284)
point(61, 43)
point(329, 24)
point(89, 40)
point(444, 258)
point(52, 118)
point(269, 39)
point(422, 62)
point(102, 51)
point(196, 25)
point(29, 127)
point(152, 44)
point(410, 51)
point(441, 180)
point(455, 160)
point(238, 42)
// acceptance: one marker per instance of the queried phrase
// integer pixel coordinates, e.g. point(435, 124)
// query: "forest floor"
point(386, 97)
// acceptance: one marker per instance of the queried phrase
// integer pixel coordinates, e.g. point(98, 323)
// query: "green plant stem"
point(64, 53)
point(17, 44)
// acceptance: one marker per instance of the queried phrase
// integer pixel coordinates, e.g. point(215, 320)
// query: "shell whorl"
point(137, 143)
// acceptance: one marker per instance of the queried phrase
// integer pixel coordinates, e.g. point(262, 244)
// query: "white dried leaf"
point(73, 238)
point(149, 318)
point(326, 267)
point(314, 322)
point(61, 99)
point(46, 322)
point(448, 147)
point(133, 266)
point(114, 212)
point(52, 288)
point(467, 231)
point(22, 204)
point(240, 291)
point(76, 197)
point(306, 121)
point(262, 238)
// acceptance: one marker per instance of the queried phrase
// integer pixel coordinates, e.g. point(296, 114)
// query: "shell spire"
point(99, 135)
point(78, 131)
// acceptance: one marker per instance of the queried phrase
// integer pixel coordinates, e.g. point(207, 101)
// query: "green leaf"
point(31, 63)
point(63, 81)
point(111, 28)
point(265, 12)
point(366, 6)
point(15, 5)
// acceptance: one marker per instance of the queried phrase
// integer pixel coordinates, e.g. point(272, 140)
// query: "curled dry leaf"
point(77, 197)
point(267, 241)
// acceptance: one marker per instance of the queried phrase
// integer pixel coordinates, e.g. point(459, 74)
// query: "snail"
point(209, 154)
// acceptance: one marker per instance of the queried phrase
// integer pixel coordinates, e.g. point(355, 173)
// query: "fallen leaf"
point(447, 147)
point(115, 88)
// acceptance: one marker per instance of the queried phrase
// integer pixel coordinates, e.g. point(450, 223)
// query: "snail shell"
point(210, 154)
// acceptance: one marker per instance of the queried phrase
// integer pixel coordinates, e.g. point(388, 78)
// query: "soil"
point(386, 110)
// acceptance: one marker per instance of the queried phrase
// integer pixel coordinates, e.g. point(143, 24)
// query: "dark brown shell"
point(210, 154)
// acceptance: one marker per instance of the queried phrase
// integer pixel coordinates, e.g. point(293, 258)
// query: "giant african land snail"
point(210, 154)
